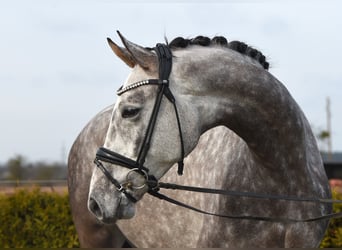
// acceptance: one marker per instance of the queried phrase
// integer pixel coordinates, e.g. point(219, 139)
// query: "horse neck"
point(230, 89)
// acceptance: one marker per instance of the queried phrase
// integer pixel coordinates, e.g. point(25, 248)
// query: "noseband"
point(103, 154)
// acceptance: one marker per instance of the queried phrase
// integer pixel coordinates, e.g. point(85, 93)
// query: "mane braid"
point(241, 47)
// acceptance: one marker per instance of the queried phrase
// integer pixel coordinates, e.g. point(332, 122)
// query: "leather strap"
point(145, 146)
point(244, 217)
point(109, 156)
point(165, 67)
point(114, 181)
point(244, 194)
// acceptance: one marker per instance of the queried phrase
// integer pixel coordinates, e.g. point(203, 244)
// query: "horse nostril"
point(95, 208)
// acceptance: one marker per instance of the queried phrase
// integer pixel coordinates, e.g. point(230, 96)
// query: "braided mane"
point(238, 46)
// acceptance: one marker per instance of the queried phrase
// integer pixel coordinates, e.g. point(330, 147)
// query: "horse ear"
point(142, 56)
point(122, 53)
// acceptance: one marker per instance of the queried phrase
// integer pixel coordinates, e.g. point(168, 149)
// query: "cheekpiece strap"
point(165, 66)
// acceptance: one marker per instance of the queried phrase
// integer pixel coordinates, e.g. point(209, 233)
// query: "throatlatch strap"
point(165, 66)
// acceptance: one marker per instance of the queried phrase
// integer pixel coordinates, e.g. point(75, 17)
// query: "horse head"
point(150, 130)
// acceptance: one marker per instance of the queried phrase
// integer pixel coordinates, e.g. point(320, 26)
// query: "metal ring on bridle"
point(141, 172)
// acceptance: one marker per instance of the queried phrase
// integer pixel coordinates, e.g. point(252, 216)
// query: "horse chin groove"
point(109, 221)
point(126, 211)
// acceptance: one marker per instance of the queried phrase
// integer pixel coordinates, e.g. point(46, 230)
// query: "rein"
point(103, 154)
point(154, 191)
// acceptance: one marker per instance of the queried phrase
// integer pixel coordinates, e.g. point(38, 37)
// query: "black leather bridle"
point(165, 65)
point(105, 155)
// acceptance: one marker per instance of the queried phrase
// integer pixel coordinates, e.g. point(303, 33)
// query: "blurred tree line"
point(18, 168)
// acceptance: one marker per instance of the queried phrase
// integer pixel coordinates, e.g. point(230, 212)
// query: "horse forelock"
point(241, 47)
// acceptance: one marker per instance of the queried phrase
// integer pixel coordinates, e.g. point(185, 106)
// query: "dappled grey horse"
point(238, 128)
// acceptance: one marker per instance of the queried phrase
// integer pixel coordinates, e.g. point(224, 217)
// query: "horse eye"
point(130, 112)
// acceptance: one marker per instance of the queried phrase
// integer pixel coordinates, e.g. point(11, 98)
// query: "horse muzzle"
point(108, 208)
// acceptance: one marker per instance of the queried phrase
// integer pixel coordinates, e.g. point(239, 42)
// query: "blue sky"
point(57, 71)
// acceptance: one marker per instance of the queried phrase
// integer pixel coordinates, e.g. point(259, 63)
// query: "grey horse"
point(242, 131)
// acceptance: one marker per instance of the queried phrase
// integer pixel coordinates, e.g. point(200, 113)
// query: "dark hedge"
point(43, 220)
point(333, 235)
point(36, 219)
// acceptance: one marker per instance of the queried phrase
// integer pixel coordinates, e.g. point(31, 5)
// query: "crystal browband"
point(122, 89)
